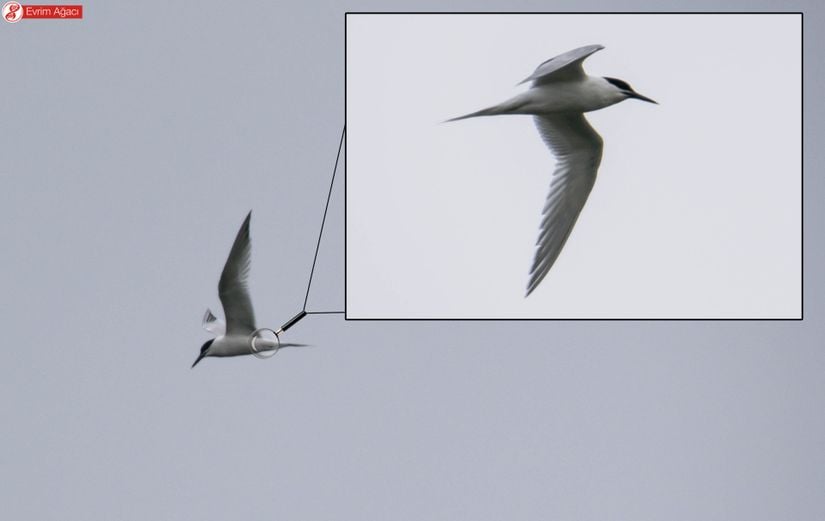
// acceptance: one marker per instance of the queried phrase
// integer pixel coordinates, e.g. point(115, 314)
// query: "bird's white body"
point(559, 96)
point(231, 345)
point(580, 95)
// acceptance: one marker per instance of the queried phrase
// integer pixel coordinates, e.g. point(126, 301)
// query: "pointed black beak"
point(200, 357)
point(643, 98)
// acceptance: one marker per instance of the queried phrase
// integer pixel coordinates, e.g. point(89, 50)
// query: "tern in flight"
point(559, 96)
point(233, 337)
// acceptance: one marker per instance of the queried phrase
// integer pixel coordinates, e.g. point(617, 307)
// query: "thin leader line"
point(324, 220)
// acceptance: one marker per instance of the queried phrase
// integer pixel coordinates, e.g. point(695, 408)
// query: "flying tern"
point(557, 99)
point(233, 337)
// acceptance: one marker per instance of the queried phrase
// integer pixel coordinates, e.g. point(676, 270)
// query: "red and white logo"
point(12, 12)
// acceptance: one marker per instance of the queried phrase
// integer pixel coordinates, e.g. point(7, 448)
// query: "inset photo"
point(573, 166)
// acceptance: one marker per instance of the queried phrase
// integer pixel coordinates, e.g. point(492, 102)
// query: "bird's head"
point(204, 351)
point(624, 90)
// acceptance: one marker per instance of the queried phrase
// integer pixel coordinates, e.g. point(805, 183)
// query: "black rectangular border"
point(801, 317)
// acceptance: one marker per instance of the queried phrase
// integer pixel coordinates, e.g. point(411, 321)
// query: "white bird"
point(233, 337)
point(560, 94)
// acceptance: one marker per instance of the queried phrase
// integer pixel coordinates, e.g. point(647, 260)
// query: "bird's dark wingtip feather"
point(532, 285)
point(244, 230)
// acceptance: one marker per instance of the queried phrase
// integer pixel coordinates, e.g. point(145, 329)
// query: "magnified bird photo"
point(485, 179)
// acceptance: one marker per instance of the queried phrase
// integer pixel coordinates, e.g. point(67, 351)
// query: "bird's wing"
point(213, 324)
point(237, 306)
point(578, 151)
point(565, 66)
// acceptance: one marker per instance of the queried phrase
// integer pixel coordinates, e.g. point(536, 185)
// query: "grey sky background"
point(135, 141)
point(696, 210)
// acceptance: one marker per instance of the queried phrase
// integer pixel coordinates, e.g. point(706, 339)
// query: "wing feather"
point(213, 324)
point(232, 288)
point(563, 67)
point(578, 150)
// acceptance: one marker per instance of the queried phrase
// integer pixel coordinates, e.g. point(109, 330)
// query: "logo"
point(12, 12)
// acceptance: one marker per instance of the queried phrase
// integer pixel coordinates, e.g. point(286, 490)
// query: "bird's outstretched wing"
point(213, 324)
point(578, 151)
point(237, 306)
point(565, 66)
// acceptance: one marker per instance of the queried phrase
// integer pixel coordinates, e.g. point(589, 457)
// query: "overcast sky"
point(135, 142)
point(696, 209)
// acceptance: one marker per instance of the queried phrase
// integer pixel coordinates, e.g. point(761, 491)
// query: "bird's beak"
point(643, 98)
point(200, 357)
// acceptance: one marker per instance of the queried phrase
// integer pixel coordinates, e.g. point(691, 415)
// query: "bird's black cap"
point(204, 348)
point(627, 89)
point(621, 84)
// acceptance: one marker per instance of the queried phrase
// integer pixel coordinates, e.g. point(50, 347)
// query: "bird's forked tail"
point(508, 107)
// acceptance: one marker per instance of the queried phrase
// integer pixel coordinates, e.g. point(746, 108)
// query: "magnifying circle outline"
point(263, 354)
